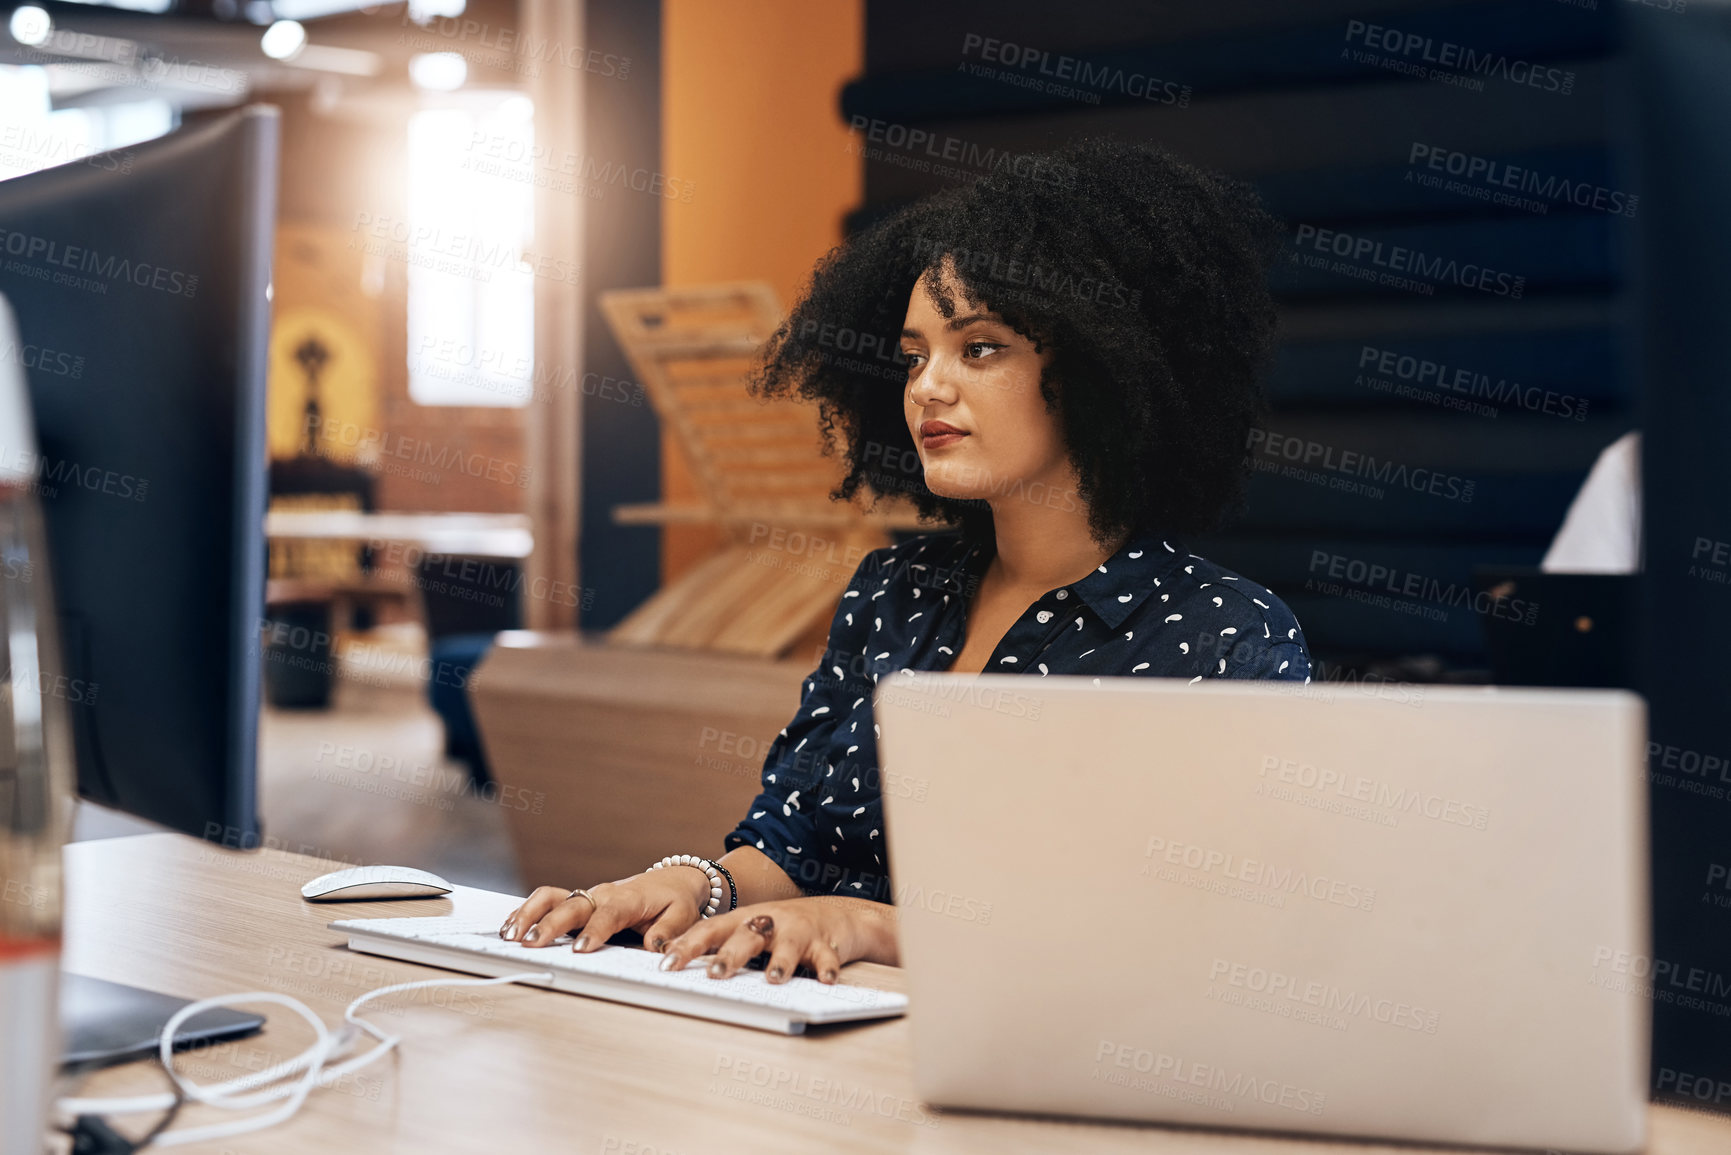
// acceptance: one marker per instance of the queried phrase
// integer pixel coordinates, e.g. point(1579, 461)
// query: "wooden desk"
point(487, 1070)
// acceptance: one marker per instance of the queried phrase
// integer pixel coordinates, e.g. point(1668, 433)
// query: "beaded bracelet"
point(704, 865)
point(732, 890)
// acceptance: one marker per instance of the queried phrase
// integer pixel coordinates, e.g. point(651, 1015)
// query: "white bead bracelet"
point(704, 865)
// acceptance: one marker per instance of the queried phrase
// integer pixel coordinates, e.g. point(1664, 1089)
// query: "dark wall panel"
point(1481, 402)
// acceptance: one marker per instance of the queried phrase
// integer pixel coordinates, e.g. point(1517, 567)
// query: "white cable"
point(232, 1095)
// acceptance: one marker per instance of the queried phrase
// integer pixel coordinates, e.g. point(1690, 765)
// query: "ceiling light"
point(158, 6)
point(316, 9)
point(30, 25)
point(439, 71)
point(426, 11)
point(330, 58)
point(282, 40)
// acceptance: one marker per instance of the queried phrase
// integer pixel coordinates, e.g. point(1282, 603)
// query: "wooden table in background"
point(495, 535)
point(497, 1069)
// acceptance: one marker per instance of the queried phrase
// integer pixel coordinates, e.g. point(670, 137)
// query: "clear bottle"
point(36, 774)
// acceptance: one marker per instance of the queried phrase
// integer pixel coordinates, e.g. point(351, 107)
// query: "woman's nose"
point(935, 382)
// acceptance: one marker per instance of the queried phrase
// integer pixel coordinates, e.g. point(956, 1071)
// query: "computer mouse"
point(361, 883)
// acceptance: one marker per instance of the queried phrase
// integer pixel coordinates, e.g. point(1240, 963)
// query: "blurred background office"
point(461, 181)
point(538, 565)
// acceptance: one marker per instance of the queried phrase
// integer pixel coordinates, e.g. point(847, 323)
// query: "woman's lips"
point(937, 434)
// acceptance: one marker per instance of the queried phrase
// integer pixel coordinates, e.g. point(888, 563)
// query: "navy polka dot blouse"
point(1151, 610)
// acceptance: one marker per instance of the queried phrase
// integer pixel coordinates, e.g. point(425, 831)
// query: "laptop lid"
point(107, 1022)
point(1417, 916)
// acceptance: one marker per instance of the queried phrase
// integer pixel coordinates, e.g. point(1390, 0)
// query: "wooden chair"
point(789, 550)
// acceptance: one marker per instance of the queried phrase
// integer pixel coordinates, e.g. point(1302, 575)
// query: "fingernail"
point(775, 974)
point(829, 975)
point(716, 970)
point(667, 962)
point(534, 933)
point(509, 930)
point(582, 943)
point(657, 943)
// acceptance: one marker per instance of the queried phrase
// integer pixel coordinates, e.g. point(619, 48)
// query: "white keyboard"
point(622, 975)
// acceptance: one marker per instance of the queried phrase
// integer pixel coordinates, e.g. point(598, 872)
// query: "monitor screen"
point(139, 281)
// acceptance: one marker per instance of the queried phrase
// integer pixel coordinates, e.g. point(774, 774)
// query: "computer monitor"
point(139, 282)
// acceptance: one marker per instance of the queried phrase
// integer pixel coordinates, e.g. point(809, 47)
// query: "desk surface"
point(483, 1070)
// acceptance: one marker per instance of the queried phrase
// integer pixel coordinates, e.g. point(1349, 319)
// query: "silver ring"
point(581, 893)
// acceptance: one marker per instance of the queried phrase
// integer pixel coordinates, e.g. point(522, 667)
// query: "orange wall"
point(749, 118)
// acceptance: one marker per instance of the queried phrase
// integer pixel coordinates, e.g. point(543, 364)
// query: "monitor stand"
point(104, 1022)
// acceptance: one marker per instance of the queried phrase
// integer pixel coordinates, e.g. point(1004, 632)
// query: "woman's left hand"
point(824, 932)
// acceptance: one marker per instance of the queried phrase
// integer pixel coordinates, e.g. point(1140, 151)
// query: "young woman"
point(1067, 368)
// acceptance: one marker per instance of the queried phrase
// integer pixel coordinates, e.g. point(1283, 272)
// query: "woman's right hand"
point(660, 904)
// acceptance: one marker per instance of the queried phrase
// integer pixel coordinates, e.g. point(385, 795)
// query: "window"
point(471, 298)
point(35, 136)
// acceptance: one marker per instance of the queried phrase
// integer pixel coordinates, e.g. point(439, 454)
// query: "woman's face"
point(973, 403)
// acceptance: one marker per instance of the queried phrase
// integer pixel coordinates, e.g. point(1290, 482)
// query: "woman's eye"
point(912, 357)
point(972, 345)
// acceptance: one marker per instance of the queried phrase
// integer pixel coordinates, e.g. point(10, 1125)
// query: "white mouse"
point(360, 883)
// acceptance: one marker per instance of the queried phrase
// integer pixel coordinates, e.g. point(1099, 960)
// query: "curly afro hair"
point(1144, 274)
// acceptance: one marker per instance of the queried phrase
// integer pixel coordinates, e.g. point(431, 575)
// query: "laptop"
point(1274, 906)
point(1558, 629)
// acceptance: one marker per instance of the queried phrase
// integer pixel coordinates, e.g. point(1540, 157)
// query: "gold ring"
point(581, 893)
